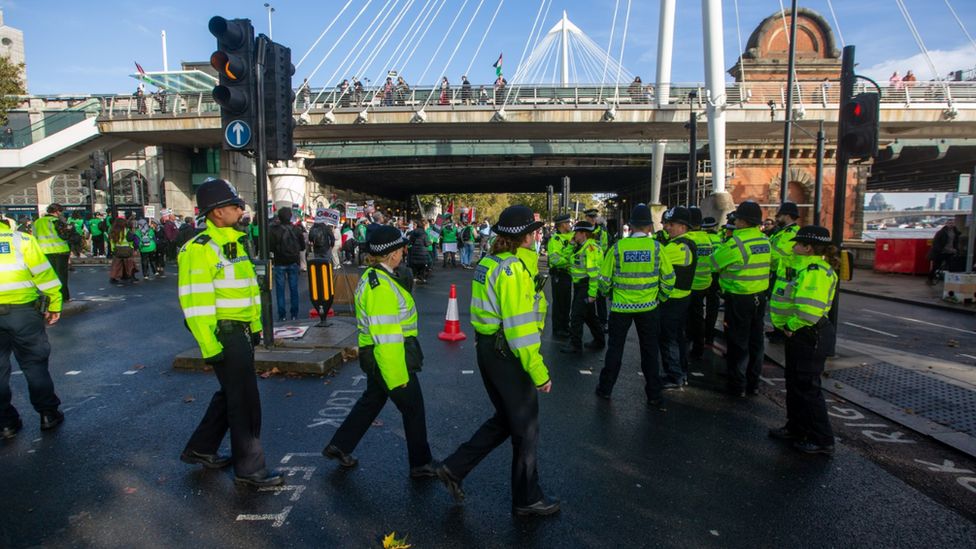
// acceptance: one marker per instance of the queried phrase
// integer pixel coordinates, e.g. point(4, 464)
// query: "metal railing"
point(52, 123)
point(738, 95)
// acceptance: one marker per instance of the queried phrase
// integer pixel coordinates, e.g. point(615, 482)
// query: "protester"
point(287, 244)
point(945, 246)
point(123, 254)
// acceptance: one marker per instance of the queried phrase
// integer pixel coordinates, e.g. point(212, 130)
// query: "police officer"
point(638, 277)
point(743, 266)
point(389, 355)
point(48, 230)
point(585, 272)
point(781, 248)
point(682, 254)
point(802, 298)
point(508, 328)
point(602, 237)
point(221, 303)
point(712, 294)
point(30, 298)
point(560, 250)
point(697, 314)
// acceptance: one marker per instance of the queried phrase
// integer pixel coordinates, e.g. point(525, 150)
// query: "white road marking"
point(288, 456)
point(971, 332)
point(17, 373)
point(586, 372)
point(72, 372)
point(871, 329)
point(697, 374)
point(297, 490)
point(278, 519)
point(467, 372)
point(967, 356)
point(640, 374)
point(130, 372)
point(767, 381)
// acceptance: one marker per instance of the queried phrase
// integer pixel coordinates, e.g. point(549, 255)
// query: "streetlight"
point(270, 9)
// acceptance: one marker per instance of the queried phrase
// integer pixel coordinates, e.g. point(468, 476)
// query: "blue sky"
point(90, 47)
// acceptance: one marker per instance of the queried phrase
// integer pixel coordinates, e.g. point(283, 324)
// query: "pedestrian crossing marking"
point(72, 372)
point(697, 374)
point(17, 373)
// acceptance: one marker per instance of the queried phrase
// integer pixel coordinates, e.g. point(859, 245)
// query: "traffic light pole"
point(818, 178)
point(261, 170)
point(692, 154)
point(847, 78)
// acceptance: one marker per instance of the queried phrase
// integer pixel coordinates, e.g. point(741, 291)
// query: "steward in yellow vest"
point(559, 250)
point(221, 304)
point(505, 315)
point(389, 355)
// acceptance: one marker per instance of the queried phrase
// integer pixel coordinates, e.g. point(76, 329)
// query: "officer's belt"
point(6, 308)
point(229, 326)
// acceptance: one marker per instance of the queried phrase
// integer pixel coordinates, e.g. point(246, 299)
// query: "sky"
point(91, 47)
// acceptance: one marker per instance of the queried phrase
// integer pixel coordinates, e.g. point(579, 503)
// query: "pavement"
point(902, 288)
point(701, 474)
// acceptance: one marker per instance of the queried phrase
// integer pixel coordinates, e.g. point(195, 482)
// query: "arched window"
point(131, 188)
point(69, 190)
point(24, 197)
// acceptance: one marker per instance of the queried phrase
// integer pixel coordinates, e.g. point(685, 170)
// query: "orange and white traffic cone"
point(452, 324)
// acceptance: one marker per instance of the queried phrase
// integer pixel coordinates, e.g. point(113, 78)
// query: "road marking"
point(298, 489)
point(640, 374)
point(767, 381)
point(967, 356)
point(871, 329)
point(866, 424)
point(697, 374)
point(130, 372)
point(467, 372)
point(288, 456)
point(17, 373)
point(586, 372)
point(305, 471)
point(278, 519)
point(920, 321)
point(72, 372)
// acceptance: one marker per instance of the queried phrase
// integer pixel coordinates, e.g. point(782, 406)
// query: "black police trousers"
point(696, 329)
point(59, 262)
point(583, 313)
point(22, 333)
point(806, 411)
point(648, 327)
point(562, 297)
point(674, 344)
point(713, 298)
point(516, 402)
point(236, 407)
point(409, 401)
point(744, 340)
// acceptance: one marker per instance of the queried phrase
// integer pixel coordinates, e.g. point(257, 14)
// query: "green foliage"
point(491, 205)
point(11, 86)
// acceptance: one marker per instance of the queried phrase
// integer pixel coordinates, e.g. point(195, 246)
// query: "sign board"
point(237, 134)
point(965, 183)
point(149, 212)
point(332, 217)
point(351, 210)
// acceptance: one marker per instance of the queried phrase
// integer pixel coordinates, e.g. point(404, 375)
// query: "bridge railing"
point(738, 94)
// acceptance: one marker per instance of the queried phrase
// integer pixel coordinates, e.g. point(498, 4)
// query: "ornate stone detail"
point(795, 175)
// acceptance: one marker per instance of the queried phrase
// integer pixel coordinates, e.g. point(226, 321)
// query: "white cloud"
point(961, 58)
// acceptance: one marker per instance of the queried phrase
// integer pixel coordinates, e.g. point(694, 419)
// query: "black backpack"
point(322, 239)
point(288, 248)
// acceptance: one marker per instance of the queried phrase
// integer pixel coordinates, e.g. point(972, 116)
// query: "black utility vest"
point(684, 277)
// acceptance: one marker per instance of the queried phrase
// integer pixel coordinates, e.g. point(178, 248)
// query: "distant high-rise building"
point(931, 204)
point(12, 46)
point(966, 203)
point(951, 202)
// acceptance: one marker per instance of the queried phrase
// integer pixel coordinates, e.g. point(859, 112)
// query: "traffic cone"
point(452, 325)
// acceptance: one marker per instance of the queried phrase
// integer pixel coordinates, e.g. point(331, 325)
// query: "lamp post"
point(270, 9)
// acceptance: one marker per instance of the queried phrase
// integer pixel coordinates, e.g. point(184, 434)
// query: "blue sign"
point(237, 134)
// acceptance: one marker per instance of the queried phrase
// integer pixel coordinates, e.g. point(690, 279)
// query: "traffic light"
point(859, 126)
point(96, 171)
point(235, 92)
point(279, 98)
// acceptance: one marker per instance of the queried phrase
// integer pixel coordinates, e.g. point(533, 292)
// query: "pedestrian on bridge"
point(508, 321)
point(30, 299)
point(802, 298)
point(389, 355)
point(221, 302)
point(639, 277)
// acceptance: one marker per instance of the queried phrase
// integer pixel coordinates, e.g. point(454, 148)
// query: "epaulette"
point(374, 279)
point(202, 239)
point(813, 267)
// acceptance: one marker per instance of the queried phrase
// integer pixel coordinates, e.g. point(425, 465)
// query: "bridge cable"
point(483, 37)
point(959, 21)
point(525, 50)
point(921, 45)
point(342, 66)
point(738, 35)
point(366, 46)
point(382, 43)
point(458, 45)
point(423, 35)
point(321, 36)
point(606, 59)
point(833, 15)
point(620, 62)
point(447, 33)
point(334, 46)
point(796, 81)
point(518, 82)
point(397, 51)
point(409, 46)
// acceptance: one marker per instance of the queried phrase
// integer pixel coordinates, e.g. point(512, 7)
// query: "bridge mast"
point(715, 82)
point(665, 43)
point(565, 49)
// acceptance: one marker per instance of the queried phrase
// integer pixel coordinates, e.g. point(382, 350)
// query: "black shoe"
point(696, 354)
point(571, 350)
point(595, 345)
point(346, 461)
point(209, 461)
point(262, 479)
point(808, 447)
point(540, 508)
point(424, 471)
point(560, 335)
point(601, 394)
point(11, 431)
point(50, 420)
point(656, 404)
point(670, 385)
point(782, 433)
point(453, 484)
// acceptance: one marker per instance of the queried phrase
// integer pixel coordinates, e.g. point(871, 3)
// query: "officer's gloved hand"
point(216, 359)
point(255, 339)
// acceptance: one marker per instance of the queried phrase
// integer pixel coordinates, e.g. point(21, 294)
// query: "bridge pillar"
point(289, 182)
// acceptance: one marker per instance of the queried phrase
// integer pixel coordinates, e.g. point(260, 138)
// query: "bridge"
point(881, 215)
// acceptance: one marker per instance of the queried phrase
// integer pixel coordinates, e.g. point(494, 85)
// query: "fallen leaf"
point(129, 490)
point(188, 398)
point(289, 394)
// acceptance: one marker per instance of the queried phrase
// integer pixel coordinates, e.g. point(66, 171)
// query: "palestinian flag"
point(498, 66)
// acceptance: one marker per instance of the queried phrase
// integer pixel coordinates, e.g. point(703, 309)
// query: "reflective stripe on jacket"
point(46, 233)
point(803, 293)
point(385, 316)
point(25, 271)
point(586, 265)
point(781, 247)
point(743, 262)
point(703, 269)
point(638, 274)
point(560, 250)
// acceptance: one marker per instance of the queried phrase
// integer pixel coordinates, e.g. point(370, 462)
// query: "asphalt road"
point(702, 474)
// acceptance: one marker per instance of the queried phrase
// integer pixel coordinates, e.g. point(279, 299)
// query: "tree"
point(491, 205)
point(11, 85)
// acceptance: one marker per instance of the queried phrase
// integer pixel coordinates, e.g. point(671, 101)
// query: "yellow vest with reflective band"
point(703, 269)
point(47, 237)
point(742, 262)
point(503, 298)
point(25, 271)
point(679, 255)
point(587, 261)
point(601, 237)
point(803, 293)
point(531, 261)
point(638, 273)
point(560, 251)
point(213, 286)
point(781, 246)
point(385, 316)
point(715, 239)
